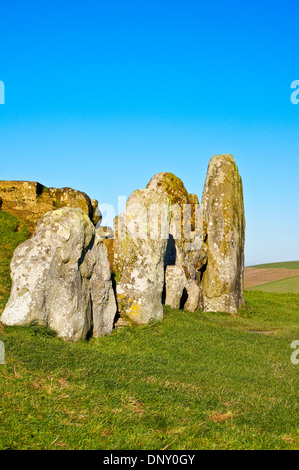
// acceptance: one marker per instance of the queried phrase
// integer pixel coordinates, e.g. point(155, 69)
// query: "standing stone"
point(61, 278)
point(223, 208)
point(175, 282)
point(186, 246)
point(102, 294)
point(96, 215)
point(183, 230)
point(106, 234)
point(139, 252)
point(193, 295)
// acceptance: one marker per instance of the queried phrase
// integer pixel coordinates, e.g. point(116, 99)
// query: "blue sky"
point(101, 95)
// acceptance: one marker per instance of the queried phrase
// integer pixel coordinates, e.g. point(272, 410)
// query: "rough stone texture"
point(96, 215)
point(194, 202)
point(223, 279)
point(29, 201)
point(106, 234)
point(61, 278)
point(175, 282)
point(102, 294)
point(139, 258)
point(186, 245)
point(123, 249)
point(193, 293)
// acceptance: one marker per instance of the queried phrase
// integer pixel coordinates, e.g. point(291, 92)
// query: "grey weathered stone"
point(104, 232)
point(61, 278)
point(193, 293)
point(102, 294)
point(96, 215)
point(186, 245)
point(222, 281)
point(182, 228)
point(139, 257)
point(175, 282)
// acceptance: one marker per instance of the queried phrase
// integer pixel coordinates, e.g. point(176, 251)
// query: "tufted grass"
point(290, 284)
point(194, 381)
point(12, 233)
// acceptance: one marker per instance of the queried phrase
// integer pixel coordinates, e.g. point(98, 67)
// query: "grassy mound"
point(290, 284)
point(193, 381)
point(12, 233)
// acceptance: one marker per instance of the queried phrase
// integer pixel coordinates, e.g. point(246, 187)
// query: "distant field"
point(291, 284)
point(284, 265)
point(255, 277)
point(273, 277)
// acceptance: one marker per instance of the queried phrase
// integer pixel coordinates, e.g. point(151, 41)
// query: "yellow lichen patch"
point(135, 310)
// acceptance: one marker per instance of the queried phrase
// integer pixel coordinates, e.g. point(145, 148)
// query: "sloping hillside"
point(12, 233)
point(280, 265)
point(273, 277)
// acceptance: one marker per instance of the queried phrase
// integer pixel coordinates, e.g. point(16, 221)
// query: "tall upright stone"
point(139, 252)
point(61, 278)
point(167, 208)
point(223, 211)
point(175, 282)
point(187, 232)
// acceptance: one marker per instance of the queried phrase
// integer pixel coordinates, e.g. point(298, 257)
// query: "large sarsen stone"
point(223, 209)
point(61, 278)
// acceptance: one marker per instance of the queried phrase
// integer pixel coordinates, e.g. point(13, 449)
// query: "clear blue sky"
point(103, 94)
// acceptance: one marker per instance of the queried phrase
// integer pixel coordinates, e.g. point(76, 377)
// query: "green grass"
point(285, 265)
point(12, 233)
point(193, 381)
point(290, 284)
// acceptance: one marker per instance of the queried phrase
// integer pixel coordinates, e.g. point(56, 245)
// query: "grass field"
point(12, 233)
point(291, 284)
point(193, 381)
point(273, 277)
